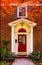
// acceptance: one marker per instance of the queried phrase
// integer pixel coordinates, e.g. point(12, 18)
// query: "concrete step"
point(21, 56)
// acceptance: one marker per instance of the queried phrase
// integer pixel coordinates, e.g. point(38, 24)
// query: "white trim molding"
point(12, 39)
point(14, 35)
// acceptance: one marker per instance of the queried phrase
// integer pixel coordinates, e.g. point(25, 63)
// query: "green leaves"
point(3, 51)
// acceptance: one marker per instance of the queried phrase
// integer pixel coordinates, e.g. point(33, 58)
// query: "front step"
point(22, 53)
point(21, 56)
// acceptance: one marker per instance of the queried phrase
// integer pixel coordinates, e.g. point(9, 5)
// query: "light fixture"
point(22, 23)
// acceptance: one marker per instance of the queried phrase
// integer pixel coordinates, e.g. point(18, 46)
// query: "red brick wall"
point(6, 32)
point(38, 35)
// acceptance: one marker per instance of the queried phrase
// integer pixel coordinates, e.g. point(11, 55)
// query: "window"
point(22, 39)
point(22, 12)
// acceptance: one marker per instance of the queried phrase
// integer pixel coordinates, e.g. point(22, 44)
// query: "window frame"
point(18, 12)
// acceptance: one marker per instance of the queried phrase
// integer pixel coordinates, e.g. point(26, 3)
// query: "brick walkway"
point(23, 62)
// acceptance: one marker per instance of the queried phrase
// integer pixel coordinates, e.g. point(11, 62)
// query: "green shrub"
point(3, 51)
point(1, 57)
point(35, 56)
point(9, 57)
point(2, 63)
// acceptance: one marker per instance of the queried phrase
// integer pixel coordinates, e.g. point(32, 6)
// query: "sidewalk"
point(23, 62)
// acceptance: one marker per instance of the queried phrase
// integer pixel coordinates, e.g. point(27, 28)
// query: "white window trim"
point(18, 12)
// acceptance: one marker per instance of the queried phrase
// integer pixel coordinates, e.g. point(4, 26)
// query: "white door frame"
point(29, 37)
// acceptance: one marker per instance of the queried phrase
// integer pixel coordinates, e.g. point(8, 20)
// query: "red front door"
point(22, 43)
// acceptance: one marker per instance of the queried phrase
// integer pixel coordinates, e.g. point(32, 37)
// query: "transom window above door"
point(21, 30)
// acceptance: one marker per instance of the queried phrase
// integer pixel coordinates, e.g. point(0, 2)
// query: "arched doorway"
point(22, 36)
point(22, 40)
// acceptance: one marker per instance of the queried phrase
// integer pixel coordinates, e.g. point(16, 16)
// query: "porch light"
point(22, 23)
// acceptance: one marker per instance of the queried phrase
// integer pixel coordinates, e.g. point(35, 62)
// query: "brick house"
point(20, 24)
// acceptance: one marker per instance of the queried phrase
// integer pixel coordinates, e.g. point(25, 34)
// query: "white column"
point(12, 40)
point(31, 39)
